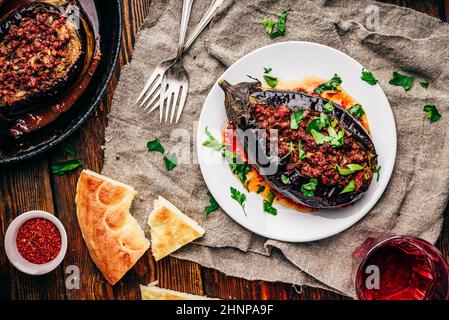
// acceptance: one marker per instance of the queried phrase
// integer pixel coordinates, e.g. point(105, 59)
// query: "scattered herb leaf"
point(260, 189)
point(403, 81)
point(309, 189)
point(68, 149)
point(212, 142)
point(369, 77)
point(63, 167)
point(241, 170)
point(334, 123)
point(171, 162)
point(290, 144)
point(349, 169)
point(239, 197)
point(194, 55)
point(318, 123)
point(285, 179)
point(357, 111)
point(302, 153)
point(432, 113)
point(267, 70)
point(329, 107)
point(295, 119)
point(271, 81)
point(268, 204)
point(378, 168)
point(424, 84)
point(155, 145)
point(213, 205)
point(338, 139)
point(319, 137)
point(329, 86)
point(349, 188)
point(277, 28)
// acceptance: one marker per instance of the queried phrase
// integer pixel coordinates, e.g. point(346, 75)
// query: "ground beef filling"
point(33, 55)
point(321, 160)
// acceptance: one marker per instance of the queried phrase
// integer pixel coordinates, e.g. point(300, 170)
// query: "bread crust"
point(113, 237)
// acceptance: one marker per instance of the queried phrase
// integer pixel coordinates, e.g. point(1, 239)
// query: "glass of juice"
point(389, 267)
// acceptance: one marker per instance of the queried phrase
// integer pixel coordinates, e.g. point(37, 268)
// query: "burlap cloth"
point(413, 203)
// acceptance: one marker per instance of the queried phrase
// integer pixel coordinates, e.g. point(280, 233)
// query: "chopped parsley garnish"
point(349, 169)
point(68, 149)
point(155, 145)
point(349, 188)
point(267, 70)
point(424, 84)
point(432, 113)
point(318, 123)
point(271, 81)
point(268, 204)
point(239, 197)
point(275, 28)
point(309, 189)
point(403, 81)
point(337, 139)
point(63, 167)
point(357, 111)
point(285, 179)
point(302, 153)
point(378, 168)
point(334, 123)
point(171, 162)
point(329, 107)
point(369, 77)
point(295, 119)
point(241, 170)
point(329, 86)
point(319, 137)
point(211, 142)
point(290, 144)
point(213, 205)
point(260, 189)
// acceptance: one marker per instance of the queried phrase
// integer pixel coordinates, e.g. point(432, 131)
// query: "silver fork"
point(155, 82)
point(202, 24)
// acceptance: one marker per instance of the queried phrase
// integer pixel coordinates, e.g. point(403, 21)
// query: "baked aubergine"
point(47, 57)
point(324, 158)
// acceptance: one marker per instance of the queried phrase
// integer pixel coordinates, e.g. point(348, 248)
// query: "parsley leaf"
point(329, 86)
point(260, 189)
point(155, 145)
point(350, 169)
point(338, 139)
point(267, 70)
point(211, 142)
point(318, 123)
point(432, 113)
point(302, 153)
point(241, 170)
point(349, 188)
point(68, 149)
point(309, 189)
point(329, 107)
point(239, 197)
point(319, 137)
point(277, 28)
point(378, 168)
point(271, 81)
point(268, 204)
point(295, 119)
point(290, 144)
point(285, 179)
point(66, 166)
point(334, 123)
point(357, 111)
point(213, 205)
point(403, 81)
point(369, 77)
point(171, 162)
point(424, 84)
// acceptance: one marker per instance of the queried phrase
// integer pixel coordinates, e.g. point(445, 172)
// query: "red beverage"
point(400, 268)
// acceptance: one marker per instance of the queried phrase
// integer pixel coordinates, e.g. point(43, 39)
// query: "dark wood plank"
point(431, 7)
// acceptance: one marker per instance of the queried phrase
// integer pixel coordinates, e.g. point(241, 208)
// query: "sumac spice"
point(38, 240)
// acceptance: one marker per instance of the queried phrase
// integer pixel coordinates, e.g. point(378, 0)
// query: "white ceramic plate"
point(293, 61)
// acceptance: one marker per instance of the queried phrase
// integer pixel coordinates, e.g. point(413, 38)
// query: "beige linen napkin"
point(414, 202)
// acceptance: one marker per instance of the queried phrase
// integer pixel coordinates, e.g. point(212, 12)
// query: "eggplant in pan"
point(47, 58)
point(324, 158)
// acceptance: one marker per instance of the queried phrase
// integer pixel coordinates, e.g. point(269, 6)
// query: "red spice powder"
point(38, 241)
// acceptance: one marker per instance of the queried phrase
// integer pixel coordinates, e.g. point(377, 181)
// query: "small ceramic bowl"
point(11, 245)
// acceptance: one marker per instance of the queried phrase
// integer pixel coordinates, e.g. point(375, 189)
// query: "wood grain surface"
point(29, 185)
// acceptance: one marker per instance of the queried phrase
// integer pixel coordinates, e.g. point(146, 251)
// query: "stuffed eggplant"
point(47, 57)
point(324, 158)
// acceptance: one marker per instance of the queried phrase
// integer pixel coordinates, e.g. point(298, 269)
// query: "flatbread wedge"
point(113, 237)
point(170, 229)
point(152, 292)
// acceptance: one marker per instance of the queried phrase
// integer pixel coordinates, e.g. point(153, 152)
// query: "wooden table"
point(30, 185)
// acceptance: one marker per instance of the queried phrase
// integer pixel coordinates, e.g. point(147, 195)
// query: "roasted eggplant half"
point(49, 51)
point(323, 157)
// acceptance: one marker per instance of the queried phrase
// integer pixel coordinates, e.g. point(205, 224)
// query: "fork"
point(161, 69)
point(156, 79)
